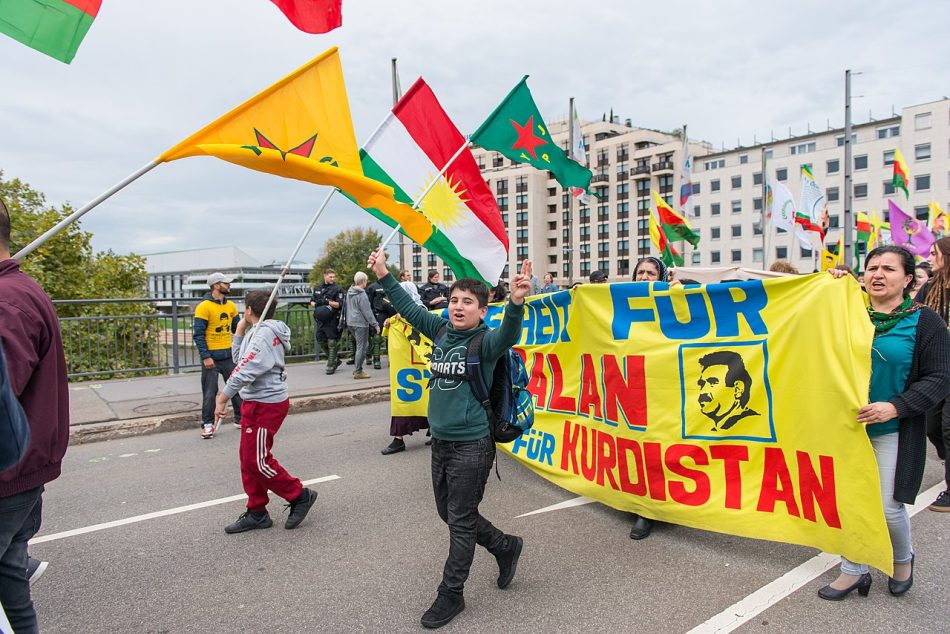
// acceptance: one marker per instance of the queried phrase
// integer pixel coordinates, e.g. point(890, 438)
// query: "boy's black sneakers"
point(300, 507)
point(942, 503)
point(446, 607)
point(508, 560)
point(248, 521)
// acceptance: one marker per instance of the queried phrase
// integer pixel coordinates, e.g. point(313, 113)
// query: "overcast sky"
point(150, 73)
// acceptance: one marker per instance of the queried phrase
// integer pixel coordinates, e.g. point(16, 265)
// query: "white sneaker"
point(207, 430)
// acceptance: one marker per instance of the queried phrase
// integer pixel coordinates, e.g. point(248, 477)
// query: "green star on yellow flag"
point(516, 130)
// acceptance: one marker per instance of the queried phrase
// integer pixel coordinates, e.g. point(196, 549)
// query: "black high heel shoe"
point(862, 585)
point(897, 588)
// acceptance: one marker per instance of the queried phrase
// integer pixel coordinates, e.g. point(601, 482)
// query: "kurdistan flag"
point(53, 27)
point(298, 128)
point(901, 176)
point(458, 219)
point(517, 130)
point(674, 225)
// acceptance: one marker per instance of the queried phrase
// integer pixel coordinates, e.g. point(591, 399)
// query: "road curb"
point(112, 430)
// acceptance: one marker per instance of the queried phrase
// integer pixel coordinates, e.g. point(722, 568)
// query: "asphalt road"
point(369, 556)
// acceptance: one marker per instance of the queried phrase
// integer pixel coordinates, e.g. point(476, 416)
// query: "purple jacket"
point(31, 339)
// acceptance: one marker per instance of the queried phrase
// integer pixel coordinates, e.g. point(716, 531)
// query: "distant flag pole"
point(79, 213)
point(686, 185)
point(312, 16)
point(572, 143)
point(764, 226)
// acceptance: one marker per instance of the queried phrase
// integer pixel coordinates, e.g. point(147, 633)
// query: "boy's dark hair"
point(473, 286)
point(432, 273)
point(4, 226)
point(257, 300)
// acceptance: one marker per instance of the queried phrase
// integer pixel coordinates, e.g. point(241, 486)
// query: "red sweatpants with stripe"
point(260, 471)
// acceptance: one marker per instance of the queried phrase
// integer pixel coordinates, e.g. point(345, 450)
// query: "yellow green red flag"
point(298, 128)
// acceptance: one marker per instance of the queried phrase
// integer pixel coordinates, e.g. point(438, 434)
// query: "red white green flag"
point(53, 27)
point(458, 219)
point(674, 225)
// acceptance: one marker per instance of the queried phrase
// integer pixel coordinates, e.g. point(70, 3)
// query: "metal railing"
point(109, 338)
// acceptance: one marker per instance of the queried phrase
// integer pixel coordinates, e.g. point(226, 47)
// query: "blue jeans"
point(898, 521)
point(209, 388)
point(20, 518)
point(459, 473)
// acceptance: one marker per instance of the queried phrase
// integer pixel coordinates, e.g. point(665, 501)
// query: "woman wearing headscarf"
point(650, 269)
point(935, 294)
point(910, 373)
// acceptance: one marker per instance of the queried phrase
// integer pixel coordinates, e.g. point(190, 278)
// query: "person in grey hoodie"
point(360, 320)
point(259, 378)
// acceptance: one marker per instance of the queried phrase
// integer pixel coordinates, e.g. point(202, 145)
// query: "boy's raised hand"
point(521, 283)
point(377, 263)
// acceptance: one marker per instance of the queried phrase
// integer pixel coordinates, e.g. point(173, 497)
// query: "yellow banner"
point(729, 407)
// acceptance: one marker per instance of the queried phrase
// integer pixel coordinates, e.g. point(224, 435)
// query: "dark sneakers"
point(508, 560)
point(299, 508)
point(397, 445)
point(248, 521)
point(641, 527)
point(446, 607)
point(942, 503)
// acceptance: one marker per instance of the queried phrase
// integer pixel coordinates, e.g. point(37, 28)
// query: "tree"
point(346, 253)
point(67, 268)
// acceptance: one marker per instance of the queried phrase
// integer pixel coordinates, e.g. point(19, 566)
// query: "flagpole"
point(306, 234)
point(683, 211)
point(397, 94)
point(76, 215)
point(418, 201)
point(570, 197)
point(848, 222)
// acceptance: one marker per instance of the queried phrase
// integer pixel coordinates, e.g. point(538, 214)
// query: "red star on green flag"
point(529, 142)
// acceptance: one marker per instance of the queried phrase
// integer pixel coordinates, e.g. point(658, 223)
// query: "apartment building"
point(628, 162)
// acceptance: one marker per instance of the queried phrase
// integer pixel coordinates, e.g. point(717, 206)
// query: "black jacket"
point(321, 298)
point(928, 383)
point(429, 291)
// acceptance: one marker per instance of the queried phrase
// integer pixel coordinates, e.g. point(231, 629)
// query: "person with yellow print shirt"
point(215, 319)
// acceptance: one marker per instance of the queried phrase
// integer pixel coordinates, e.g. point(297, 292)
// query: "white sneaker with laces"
point(207, 430)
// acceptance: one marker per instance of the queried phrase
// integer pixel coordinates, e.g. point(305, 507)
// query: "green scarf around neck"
point(885, 321)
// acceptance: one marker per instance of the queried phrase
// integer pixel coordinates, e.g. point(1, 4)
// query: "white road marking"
point(152, 450)
point(157, 514)
point(581, 501)
point(765, 597)
point(128, 455)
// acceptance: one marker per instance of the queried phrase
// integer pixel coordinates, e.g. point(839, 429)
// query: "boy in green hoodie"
point(462, 447)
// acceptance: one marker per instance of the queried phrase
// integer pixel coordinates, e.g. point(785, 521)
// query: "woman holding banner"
point(910, 373)
point(935, 294)
point(650, 269)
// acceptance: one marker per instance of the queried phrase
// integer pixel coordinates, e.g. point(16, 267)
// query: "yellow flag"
point(298, 128)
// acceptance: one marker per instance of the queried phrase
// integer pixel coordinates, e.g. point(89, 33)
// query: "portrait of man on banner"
point(726, 392)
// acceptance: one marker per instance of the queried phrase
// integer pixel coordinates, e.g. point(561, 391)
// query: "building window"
point(833, 166)
point(768, 155)
point(883, 133)
point(743, 159)
point(714, 257)
point(861, 162)
point(922, 152)
point(860, 190)
point(757, 227)
point(756, 204)
point(757, 178)
point(697, 211)
point(833, 222)
point(757, 255)
point(714, 233)
point(888, 187)
point(839, 140)
point(447, 274)
point(831, 194)
point(803, 148)
point(497, 160)
point(781, 253)
point(694, 257)
point(714, 185)
point(736, 182)
point(888, 158)
point(501, 186)
point(712, 165)
point(736, 231)
point(781, 174)
point(736, 255)
point(714, 209)
point(736, 206)
point(922, 182)
point(923, 121)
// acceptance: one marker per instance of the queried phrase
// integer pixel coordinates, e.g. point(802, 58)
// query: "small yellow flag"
point(298, 128)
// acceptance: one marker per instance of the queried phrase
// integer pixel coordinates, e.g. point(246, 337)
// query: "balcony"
point(623, 156)
point(663, 166)
point(641, 172)
point(600, 178)
point(623, 233)
point(521, 188)
point(622, 175)
point(623, 195)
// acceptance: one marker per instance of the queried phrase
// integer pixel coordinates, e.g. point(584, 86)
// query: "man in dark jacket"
point(29, 330)
point(383, 310)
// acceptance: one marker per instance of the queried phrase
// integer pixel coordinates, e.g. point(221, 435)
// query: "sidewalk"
point(123, 407)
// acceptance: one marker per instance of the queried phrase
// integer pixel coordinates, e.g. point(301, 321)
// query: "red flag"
point(313, 16)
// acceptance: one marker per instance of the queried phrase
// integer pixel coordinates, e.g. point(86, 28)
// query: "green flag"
point(517, 130)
